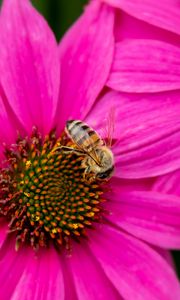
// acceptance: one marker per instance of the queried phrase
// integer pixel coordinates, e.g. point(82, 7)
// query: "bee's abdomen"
point(82, 134)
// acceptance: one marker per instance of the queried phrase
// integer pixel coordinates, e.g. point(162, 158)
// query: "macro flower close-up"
point(69, 229)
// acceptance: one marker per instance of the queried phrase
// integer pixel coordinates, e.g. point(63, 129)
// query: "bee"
point(98, 159)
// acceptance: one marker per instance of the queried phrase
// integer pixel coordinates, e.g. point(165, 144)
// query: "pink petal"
point(168, 183)
point(29, 64)
point(128, 27)
point(90, 281)
point(3, 231)
point(158, 158)
point(9, 124)
point(145, 66)
point(167, 256)
point(128, 185)
point(164, 14)
point(41, 277)
point(83, 51)
point(8, 133)
point(147, 129)
point(69, 286)
point(135, 269)
point(151, 216)
point(11, 266)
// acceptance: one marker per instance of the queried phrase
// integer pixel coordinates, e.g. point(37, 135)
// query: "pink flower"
point(98, 65)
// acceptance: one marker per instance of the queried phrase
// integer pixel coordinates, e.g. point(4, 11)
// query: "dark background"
point(60, 14)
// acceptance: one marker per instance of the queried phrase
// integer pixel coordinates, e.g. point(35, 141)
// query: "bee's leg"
point(85, 165)
point(87, 176)
point(86, 172)
point(87, 169)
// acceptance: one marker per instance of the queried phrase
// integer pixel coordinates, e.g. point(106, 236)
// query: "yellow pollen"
point(90, 214)
point(54, 149)
point(27, 194)
point(75, 225)
point(28, 164)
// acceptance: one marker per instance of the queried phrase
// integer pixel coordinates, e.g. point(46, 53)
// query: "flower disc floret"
point(43, 193)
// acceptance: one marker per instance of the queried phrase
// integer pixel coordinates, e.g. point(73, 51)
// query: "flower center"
point(43, 193)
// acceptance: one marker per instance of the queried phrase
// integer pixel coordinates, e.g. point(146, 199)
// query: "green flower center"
point(43, 194)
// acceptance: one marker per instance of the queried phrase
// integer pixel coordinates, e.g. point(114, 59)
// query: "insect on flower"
point(55, 219)
point(98, 158)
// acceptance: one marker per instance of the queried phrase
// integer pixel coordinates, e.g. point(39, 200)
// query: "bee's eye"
point(107, 174)
point(102, 175)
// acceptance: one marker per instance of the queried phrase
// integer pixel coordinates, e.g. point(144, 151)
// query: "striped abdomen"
point(83, 135)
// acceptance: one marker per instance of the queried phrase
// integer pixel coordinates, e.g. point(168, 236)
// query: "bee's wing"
point(91, 149)
point(107, 131)
point(94, 156)
point(86, 140)
point(110, 126)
